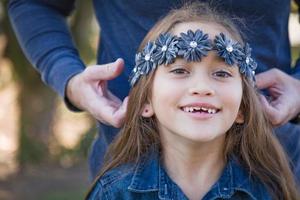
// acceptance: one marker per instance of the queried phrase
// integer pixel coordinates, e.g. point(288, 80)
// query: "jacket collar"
point(150, 176)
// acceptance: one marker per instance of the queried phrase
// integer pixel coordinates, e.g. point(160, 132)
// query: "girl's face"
point(196, 101)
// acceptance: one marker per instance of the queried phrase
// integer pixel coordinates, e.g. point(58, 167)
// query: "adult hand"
point(284, 90)
point(88, 91)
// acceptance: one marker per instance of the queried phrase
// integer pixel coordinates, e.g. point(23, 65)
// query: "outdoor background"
point(43, 146)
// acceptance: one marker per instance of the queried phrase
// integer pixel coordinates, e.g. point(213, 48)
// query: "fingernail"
point(118, 59)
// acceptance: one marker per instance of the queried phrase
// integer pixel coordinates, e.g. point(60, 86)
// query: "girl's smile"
point(200, 110)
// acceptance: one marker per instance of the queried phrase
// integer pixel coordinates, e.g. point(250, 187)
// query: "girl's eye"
point(179, 71)
point(222, 74)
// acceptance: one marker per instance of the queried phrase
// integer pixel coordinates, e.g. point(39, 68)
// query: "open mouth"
point(197, 109)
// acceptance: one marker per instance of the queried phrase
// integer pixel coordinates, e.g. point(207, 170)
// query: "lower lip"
point(200, 115)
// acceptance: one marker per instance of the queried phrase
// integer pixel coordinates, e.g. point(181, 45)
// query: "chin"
point(203, 138)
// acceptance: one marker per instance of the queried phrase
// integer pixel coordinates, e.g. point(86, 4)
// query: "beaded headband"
point(192, 46)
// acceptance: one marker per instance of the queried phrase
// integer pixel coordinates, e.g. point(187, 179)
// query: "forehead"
point(212, 29)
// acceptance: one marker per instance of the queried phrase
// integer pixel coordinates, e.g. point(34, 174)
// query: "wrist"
point(70, 95)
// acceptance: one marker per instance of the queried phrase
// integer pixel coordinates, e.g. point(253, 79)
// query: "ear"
point(147, 110)
point(239, 118)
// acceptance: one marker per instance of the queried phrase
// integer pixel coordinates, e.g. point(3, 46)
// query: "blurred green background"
point(43, 146)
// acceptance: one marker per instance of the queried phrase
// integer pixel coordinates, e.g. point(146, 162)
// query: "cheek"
point(232, 98)
point(162, 95)
point(165, 94)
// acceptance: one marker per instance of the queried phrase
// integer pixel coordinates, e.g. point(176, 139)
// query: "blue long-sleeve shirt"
point(42, 31)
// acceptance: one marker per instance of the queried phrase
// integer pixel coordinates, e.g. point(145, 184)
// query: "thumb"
point(265, 79)
point(106, 71)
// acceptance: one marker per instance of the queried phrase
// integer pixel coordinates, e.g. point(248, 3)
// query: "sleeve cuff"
point(60, 74)
point(67, 102)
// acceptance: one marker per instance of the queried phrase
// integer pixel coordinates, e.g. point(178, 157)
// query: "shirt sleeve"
point(43, 34)
point(296, 73)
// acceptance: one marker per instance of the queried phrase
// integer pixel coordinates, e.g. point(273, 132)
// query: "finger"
point(276, 116)
point(104, 72)
point(119, 115)
point(104, 110)
point(265, 79)
point(282, 108)
point(113, 98)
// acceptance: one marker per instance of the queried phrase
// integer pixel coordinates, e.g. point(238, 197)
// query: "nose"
point(201, 86)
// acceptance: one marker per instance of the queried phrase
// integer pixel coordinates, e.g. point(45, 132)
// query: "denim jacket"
point(147, 180)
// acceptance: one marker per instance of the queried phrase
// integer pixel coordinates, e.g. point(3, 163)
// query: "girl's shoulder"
point(112, 183)
point(129, 181)
point(117, 174)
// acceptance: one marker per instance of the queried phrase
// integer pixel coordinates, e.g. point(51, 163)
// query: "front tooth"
point(204, 109)
point(191, 109)
point(197, 108)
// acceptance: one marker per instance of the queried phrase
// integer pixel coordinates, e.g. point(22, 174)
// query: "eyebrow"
point(178, 61)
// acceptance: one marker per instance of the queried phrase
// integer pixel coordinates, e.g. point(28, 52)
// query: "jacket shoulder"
point(113, 183)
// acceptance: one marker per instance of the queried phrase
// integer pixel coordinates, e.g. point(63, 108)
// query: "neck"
point(194, 167)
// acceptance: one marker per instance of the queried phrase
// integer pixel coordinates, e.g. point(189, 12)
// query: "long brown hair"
point(252, 142)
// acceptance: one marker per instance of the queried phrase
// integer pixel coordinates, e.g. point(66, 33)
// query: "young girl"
point(194, 127)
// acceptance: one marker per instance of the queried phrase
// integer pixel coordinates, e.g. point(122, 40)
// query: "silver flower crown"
point(191, 46)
